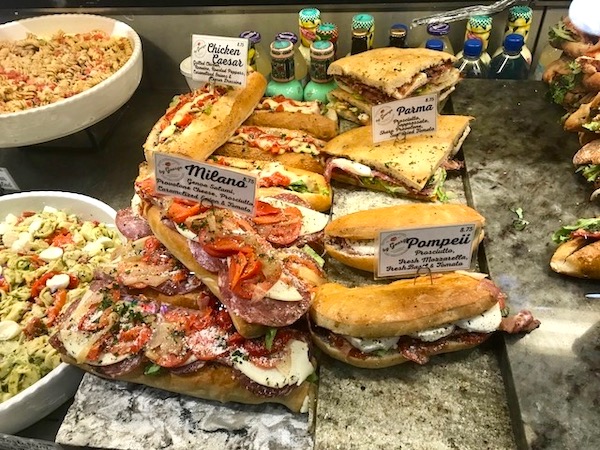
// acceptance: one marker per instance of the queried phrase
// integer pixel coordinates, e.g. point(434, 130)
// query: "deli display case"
point(534, 391)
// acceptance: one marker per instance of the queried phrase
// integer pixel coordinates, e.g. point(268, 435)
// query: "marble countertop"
point(540, 391)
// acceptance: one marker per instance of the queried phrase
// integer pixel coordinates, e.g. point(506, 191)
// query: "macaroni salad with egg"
point(47, 260)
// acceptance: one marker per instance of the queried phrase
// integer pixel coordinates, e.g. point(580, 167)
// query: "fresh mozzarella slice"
point(58, 281)
point(487, 322)
point(185, 232)
point(366, 345)
point(9, 329)
point(352, 167)
point(433, 334)
point(284, 292)
point(312, 221)
point(51, 253)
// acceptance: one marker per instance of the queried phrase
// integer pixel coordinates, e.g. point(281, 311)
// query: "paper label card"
point(209, 184)
point(403, 118)
point(219, 60)
point(6, 180)
point(432, 249)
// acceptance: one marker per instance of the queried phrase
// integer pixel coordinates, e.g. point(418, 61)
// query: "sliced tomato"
point(39, 284)
point(150, 253)
point(179, 211)
point(224, 246)
point(131, 340)
point(62, 238)
point(60, 299)
point(73, 281)
point(99, 346)
point(185, 121)
point(4, 285)
point(276, 179)
point(281, 229)
point(264, 209)
point(257, 347)
point(243, 266)
point(95, 319)
point(147, 186)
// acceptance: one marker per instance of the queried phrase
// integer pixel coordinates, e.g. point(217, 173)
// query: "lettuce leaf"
point(591, 172)
point(564, 233)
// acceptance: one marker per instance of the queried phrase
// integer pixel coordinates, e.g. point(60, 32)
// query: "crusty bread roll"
point(402, 307)
point(577, 257)
point(366, 225)
point(319, 125)
point(209, 128)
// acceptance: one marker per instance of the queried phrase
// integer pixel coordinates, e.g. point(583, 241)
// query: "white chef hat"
point(585, 15)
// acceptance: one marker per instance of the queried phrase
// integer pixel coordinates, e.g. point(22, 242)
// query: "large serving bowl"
point(51, 391)
point(67, 116)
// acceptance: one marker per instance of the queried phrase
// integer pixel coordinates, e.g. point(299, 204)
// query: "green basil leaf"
point(270, 337)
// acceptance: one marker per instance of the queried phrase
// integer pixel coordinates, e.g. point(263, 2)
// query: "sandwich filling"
point(279, 103)
point(277, 141)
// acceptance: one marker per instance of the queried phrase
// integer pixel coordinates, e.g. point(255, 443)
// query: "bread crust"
point(588, 154)
point(211, 382)
point(317, 125)
point(303, 161)
point(403, 306)
point(208, 131)
point(378, 362)
point(577, 257)
point(581, 116)
point(389, 68)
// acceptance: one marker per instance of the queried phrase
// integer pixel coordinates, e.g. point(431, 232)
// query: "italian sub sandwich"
point(587, 163)
point(308, 116)
point(586, 118)
point(351, 239)
point(572, 41)
point(197, 352)
point(386, 74)
point(577, 253)
point(197, 123)
point(290, 147)
point(414, 167)
point(410, 320)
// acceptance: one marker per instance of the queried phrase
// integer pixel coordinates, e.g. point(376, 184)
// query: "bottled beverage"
point(283, 81)
point(367, 22)
point(549, 54)
point(398, 33)
point(301, 69)
point(308, 21)
point(479, 27)
point(471, 65)
point(510, 64)
point(519, 22)
point(321, 56)
point(435, 44)
point(439, 31)
point(258, 57)
point(360, 41)
point(328, 32)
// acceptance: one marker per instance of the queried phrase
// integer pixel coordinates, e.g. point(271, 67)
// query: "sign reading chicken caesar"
point(412, 251)
point(219, 60)
point(207, 184)
point(402, 118)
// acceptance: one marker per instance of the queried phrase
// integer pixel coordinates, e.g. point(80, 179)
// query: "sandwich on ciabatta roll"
point(579, 249)
point(410, 320)
point(386, 74)
point(413, 167)
point(351, 239)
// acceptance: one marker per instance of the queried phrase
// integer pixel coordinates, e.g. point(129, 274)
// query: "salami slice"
point(131, 225)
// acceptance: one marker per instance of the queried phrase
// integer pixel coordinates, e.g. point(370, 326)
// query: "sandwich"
point(414, 167)
point(565, 86)
point(386, 74)
point(579, 246)
point(587, 163)
point(410, 320)
point(572, 41)
point(196, 352)
point(586, 117)
point(197, 123)
point(309, 116)
point(351, 239)
point(290, 147)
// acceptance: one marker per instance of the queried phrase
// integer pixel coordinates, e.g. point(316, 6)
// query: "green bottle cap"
point(308, 17)
point(363, 21)
point(520, 12)
point(480, 23)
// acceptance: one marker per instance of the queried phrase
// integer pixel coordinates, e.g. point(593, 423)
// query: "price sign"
point(6, 180)
point(205, 183)
point(220, 60)
point(402, 118)
point(433, 249)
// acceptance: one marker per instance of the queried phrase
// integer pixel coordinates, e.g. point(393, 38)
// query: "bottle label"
point(425, 250)
point(282, 69)
point(402, 118)
point(307, 35)
point(220, 60)
point(318, 70)
point(209, 184)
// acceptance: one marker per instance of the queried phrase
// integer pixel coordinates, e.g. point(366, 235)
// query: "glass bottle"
point(328, 32)
point(439, 31)
point(321, 56)
point(471, 64)
point(435, 44)
point(397, 37)
point(510, 64)
point(366, 22)
point(479, 27)
point(519, 22)
point(283, 81)
point(301, 69)
point(360, 41)
point(308, 21)
point(258, 57)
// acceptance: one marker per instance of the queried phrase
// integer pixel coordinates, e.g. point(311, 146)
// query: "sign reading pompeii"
point(208, 184)
point(219, 60)
point(402, 118)
point(411, 251)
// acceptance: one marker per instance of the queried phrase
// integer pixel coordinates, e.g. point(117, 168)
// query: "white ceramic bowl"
point(47, 394)
point(73, 114)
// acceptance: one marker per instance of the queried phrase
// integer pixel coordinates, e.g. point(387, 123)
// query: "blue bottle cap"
point(473, 47)
point(252, 36)
point(435, 44)
point(399, 26)
point(287, 36)
point(513, 43)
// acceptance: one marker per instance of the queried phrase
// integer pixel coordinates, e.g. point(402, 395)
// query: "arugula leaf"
point(298, 186)
point(592, 126)
point(152, 369)
point(559, 33)
point(564, 233)
point(564, 83)
point(519, 223)
point(591, 172)
point(270, 337)
point(314, 255)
